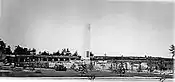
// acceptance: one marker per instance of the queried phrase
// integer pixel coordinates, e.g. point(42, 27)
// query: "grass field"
point(72, 73)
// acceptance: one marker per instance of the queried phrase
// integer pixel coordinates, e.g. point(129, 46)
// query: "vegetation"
point(172, 51)
point(24, 51)
point(19, 50)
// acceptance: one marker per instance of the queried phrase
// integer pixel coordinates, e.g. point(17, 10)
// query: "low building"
point(133, 63)
point(44, 60)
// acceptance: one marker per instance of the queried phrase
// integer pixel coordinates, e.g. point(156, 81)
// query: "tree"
point(33, 51)
point(24, 51)
point(8, 50)
point(2, 46)
point(68, 53)
point(44, 53)
point(75, 54)
point(67, 50)
point(150, 63)
point(18, 50)
point(57, 53)
point(172, 51)
point(161, 64)
point(63, 53)
point(91, 54)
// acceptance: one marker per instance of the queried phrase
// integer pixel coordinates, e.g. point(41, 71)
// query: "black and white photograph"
point(87, 40)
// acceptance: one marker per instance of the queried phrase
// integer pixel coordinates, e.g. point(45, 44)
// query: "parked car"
point(60, 68)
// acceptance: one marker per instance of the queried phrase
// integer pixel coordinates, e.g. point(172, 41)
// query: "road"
point(84, 79)
point(71, 73)
point(51, 74)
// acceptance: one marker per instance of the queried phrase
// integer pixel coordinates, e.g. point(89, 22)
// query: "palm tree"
point(172, 51)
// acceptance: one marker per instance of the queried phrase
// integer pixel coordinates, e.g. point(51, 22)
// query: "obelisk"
point(87, 42)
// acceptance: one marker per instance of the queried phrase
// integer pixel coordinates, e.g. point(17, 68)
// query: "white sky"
point(117, 27)
point(0, 8)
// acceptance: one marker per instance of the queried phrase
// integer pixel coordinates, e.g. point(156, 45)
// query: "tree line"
point(6, 49)
point(65, 52)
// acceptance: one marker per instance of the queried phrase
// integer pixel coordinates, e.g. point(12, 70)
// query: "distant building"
point(134, 63)
point(22, 60)
point(99, 62)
